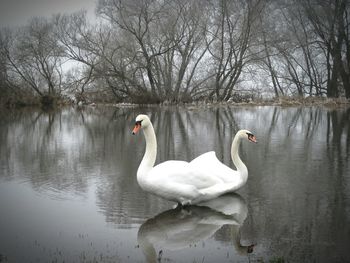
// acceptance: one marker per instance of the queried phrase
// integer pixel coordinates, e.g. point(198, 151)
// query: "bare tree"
point(4, 46)
point(141, 20)
point(75, 37)
point(35, 59)
point(270, 41)
point(100, 53)
point(179, 66)
point(331, 24)
point(295, 59)
point(233, 25)
point(167, 40)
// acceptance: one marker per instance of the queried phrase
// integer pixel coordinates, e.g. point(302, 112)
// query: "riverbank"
point(280, 101)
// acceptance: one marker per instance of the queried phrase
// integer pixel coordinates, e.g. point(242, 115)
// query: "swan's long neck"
point(241, 168)
point(150, 155)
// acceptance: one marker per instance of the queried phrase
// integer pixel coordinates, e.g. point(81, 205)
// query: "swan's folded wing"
point(182, 181)
point(206, 159)
point(183, 173)
point(174, 180)
point(209, 165)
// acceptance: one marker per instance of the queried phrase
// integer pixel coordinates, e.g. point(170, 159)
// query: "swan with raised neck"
point(241, 167)
point(149, 158)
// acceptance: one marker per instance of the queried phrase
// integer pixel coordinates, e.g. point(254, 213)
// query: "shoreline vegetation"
point(284, 101)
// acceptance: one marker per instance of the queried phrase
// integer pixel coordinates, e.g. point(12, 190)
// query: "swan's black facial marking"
point(138, 123)
point(251, 137)
point(250, 134)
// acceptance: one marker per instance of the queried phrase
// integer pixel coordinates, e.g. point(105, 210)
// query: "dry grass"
point(311, 101)
point(24, 101)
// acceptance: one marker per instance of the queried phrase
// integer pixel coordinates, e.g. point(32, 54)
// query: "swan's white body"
point(202, 179)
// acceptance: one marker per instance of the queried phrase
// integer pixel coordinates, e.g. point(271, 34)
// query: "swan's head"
point(142, 121)
point(245, 134)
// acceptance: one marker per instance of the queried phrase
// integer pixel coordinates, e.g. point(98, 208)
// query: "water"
point(68, 189)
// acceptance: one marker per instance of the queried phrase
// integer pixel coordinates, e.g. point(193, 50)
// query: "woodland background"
point(153, 51)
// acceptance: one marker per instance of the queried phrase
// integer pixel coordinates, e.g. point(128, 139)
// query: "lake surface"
point(68, 189)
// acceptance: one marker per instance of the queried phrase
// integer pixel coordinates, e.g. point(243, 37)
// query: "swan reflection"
point(181, 227)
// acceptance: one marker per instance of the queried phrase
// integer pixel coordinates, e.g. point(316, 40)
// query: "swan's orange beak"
point(252, 138)
point(136, 128)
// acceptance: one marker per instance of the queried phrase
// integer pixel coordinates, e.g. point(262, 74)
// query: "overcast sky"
point(17, 12)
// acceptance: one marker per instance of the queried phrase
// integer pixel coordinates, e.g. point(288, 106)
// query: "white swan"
point(202, 179)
